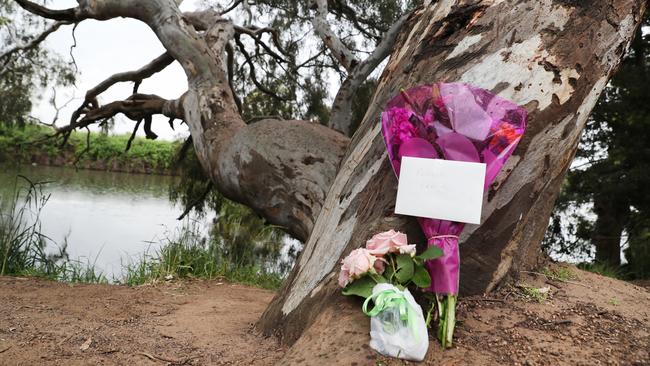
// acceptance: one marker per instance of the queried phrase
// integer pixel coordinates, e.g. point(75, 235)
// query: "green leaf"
point(421, 277)
point(361, 287)
point(405, 268)
point(432, 252)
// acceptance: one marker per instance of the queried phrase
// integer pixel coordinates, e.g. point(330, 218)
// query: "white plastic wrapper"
point(392, 336)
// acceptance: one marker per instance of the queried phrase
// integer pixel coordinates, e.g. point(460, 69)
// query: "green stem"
point(451, 320)
point(431, 308)
point(447, 312)
point(441, 318)
point(392, 264)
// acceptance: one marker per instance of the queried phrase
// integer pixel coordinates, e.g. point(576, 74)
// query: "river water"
point(105, 218)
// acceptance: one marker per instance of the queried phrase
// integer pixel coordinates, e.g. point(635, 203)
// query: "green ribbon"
point(392, 298)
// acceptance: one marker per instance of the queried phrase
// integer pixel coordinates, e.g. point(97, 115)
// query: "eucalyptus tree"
point(552, 56)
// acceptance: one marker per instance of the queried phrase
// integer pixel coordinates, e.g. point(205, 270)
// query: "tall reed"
point(24, 249)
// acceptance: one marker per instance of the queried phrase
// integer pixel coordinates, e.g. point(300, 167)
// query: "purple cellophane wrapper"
point(451, 121)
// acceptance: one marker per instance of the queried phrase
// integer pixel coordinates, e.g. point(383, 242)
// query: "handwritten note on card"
point(441, 189)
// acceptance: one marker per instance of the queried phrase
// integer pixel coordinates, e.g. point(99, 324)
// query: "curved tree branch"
point(34, 42)
point(341, 116)
point(255, 33)
point(341, 8)
point(136, 107)
point(357, 71)
point(281, 169)
point(68, 15)
point(231, 7)
point(337, 48)
point(253, 75)
point(136, 76)
point(90, 105)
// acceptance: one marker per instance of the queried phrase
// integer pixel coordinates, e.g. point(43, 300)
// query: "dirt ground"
point(196, 323)
point(591, 320)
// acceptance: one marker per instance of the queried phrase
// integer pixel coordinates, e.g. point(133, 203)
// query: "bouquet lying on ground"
point(381, 273)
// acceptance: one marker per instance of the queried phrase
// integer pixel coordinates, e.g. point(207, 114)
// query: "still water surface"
point(106, 218)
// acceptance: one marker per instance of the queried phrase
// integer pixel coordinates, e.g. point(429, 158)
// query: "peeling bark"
point(341, 115)
point(553, 57)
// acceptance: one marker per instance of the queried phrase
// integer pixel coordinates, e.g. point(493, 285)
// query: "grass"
point(188, 255)
point(537, 294)
point(27, 143)
point(561, 274)
point(614, 301)
point(157, 154)
point(23, 246)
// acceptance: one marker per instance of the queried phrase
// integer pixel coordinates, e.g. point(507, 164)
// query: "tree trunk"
point(553, 57)
point(612, 216)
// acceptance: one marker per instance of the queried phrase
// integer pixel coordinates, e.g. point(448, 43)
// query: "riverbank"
point(89, 226)
point(586, 321)
point(28, 145)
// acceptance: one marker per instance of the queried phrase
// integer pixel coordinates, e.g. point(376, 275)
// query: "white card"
point(441, 189)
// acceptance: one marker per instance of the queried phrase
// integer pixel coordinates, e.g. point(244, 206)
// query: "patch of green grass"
point(25, 143)
point(188, 255)
point(108, 148)
point(560, 274)
point(614, 301)
point(537, 294)
point(602, 269)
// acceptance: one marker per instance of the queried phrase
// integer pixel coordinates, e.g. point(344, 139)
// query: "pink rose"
point(356, 264)
point(386, 242)
point(344, 277)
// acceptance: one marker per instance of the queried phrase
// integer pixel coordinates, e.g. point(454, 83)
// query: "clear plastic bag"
point(393, 332)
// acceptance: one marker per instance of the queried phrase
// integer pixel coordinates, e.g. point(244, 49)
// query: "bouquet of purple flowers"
point(451, 121)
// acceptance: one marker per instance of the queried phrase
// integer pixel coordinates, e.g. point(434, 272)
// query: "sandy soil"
point(590, 321)
point(196, 323)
